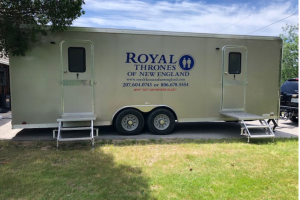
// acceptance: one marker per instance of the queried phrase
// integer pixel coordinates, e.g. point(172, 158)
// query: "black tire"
point(294, 119)
point(129, 122)
point(166, 117)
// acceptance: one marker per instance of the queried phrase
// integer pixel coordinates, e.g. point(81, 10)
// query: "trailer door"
point(234, 78)
point(77, 76)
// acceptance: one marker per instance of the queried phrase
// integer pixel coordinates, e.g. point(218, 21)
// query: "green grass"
point(150, 169)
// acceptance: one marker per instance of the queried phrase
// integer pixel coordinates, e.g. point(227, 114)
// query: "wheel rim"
point(130, 122)
point(161, 122)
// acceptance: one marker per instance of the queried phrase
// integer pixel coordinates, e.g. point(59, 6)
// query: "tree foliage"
point(22, 20)
point(290, 52)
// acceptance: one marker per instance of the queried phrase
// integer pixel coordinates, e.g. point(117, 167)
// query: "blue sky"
point(211, 16)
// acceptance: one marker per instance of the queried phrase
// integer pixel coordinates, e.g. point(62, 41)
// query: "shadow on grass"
point(194, 141)
point(37, 170)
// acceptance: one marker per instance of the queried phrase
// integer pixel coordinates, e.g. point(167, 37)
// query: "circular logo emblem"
point(186, 62)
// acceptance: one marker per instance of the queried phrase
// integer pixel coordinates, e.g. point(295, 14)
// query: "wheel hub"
point(161, 122)
point(130, 122)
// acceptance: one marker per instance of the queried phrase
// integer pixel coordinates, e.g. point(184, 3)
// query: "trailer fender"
point(144, 109)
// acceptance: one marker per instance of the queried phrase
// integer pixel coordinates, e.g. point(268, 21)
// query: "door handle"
point(225, 72)
point(65, 71)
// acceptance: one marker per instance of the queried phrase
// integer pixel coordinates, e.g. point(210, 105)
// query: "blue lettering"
point(136, 67)
point(171, 60)
point(147, 73)
point(156, 67)
point(143, 67)
point(162, 58)
point(150, 67)
point(153, 58)
point(162, 67)
point(146, 58)
point(130, 58)
point(171, 67)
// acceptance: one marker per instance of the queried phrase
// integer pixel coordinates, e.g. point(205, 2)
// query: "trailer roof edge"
point(169, 33)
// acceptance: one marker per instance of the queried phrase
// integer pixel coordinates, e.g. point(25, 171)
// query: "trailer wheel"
point(129, 122)
point(161, 121)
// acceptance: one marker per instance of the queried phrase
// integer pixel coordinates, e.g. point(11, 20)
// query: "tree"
point(21, 21)
point(290, 52)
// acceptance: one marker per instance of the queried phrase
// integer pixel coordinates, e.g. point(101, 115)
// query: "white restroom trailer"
point(132, 79)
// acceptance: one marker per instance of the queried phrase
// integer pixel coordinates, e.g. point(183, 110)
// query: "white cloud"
point(186, 16)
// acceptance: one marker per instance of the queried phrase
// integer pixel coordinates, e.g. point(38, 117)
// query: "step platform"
point(241, 115)
point(71, 117)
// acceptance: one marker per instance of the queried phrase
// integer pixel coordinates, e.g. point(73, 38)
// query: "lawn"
point(150, 169)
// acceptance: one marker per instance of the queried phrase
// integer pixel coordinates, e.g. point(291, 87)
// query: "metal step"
point(262, 136)
point(95, 129)
point(72, 117)
point(75, 128)
point(74, 139)
point(262, 126)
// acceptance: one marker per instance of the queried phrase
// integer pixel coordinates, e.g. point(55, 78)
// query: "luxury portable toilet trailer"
point(86, 77)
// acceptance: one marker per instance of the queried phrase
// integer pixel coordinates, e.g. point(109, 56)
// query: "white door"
point(234, 78)
point(77, 77)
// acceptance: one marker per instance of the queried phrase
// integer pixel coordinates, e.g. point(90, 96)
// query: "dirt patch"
point(46, 148)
